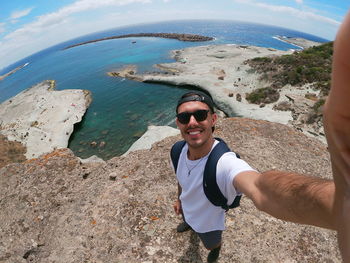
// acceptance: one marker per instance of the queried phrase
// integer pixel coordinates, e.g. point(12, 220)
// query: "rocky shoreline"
point(13, 71)
point(181, 37)
point(299, 42)
point(42, 119)
point(223, 71)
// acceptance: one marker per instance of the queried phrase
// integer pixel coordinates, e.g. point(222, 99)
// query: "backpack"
point(210, 186)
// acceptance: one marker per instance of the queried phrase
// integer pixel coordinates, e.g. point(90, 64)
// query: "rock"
point(92, 159)
point(283, 106)
point(93, 144)
point(102, 144)
point(311, 96)
point(221, 78)
point(45, 116)
point(230, 94)
point(104, 132)
point(152, 135)
point(130, 219)
point(238, 97)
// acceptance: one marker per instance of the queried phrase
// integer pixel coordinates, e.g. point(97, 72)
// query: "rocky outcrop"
point(57, 209)
point(41, 118)
point(13, 71)
point(224, 72)
point(297, 41)
point(181, 37)
point(152, 135)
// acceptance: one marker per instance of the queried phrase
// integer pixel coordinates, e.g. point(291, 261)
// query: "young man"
point(285, 195)
point(196, 120)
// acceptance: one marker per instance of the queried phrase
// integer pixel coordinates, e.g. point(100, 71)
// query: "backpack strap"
point(175, 153)
point(210, 186)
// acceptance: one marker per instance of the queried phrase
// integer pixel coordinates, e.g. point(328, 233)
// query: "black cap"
point(196, 96)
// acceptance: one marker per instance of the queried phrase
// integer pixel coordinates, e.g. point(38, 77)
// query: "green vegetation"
point(312, 65)
point(318, 104)
point(263, 95)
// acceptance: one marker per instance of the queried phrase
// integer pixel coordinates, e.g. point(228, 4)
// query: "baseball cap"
point(196, 96)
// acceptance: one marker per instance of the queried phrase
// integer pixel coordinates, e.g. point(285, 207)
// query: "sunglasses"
point(199, 115)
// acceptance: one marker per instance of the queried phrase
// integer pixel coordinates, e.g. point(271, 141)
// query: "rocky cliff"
point(57, 209)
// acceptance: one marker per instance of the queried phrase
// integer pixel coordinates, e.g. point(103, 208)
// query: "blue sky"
point(28, 26)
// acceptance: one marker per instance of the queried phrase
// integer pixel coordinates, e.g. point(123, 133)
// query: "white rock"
point(152, 135)
point(92, 159)
point(43, 119)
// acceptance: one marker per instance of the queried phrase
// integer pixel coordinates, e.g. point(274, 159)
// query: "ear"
point(177, 122)
point(214, 118)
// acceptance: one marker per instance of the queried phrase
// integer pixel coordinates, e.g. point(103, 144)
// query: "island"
point(181, 37)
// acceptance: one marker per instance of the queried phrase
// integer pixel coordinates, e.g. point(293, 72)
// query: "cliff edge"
point(57, 209)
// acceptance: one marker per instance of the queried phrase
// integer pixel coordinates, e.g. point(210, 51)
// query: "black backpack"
point(210, 186)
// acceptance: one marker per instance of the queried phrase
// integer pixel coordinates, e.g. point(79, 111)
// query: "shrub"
point(263, 95)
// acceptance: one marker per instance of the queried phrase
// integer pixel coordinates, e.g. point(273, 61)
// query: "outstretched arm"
point(311, 200)
point(290, 196)
point(337, 127)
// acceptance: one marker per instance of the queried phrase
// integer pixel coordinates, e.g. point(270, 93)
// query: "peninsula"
point(13, 71)
point(41, 118)
point(236, 74)
point(181, 37)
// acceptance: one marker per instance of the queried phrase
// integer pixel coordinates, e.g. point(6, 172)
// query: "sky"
point(28, 26)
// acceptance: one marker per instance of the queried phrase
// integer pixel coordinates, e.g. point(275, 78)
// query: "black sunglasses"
point(199, 115)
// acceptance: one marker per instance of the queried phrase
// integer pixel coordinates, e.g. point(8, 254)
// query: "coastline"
point(41, 118)
point(222, 71)
point(13, 71)
point(181, 37)
point(297, 41)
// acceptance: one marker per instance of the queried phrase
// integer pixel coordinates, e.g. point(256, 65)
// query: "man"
point(290, 196)
point(196, 120)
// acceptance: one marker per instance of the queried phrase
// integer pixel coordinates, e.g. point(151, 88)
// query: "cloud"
point(299, 1)
point(2, 27)
point(47, 21)
point(292, 11)
point(18, 14)
point(298, 13)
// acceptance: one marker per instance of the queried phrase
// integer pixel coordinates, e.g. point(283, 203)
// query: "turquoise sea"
point(121, 109)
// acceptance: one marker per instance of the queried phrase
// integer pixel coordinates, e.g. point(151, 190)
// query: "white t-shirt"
point(199, 212)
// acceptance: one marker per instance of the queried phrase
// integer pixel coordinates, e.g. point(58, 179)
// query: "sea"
point(121, 109)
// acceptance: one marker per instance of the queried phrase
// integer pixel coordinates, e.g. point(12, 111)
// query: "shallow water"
point(121, 109)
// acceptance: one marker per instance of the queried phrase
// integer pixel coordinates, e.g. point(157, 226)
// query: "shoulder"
point(230, 161)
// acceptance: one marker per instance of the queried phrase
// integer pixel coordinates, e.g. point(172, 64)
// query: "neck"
point(197, 153)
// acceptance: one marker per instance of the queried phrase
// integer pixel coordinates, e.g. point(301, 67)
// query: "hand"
point(337, 128)
point(177, 207)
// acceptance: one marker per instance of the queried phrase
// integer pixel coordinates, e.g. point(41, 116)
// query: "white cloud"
point(299, 13)
point(299, 1)
point(55, 27)
point(47, 21)
point(292, 11)
point(21, 13)
point(2, 27)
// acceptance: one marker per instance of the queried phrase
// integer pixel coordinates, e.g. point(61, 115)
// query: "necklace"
point(190, 170)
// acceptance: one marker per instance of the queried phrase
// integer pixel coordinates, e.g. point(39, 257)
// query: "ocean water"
point(121, 109)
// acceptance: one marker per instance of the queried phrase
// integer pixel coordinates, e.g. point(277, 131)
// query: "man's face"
point(196, 133)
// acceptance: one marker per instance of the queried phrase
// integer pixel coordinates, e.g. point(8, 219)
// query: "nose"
point(192, 121)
